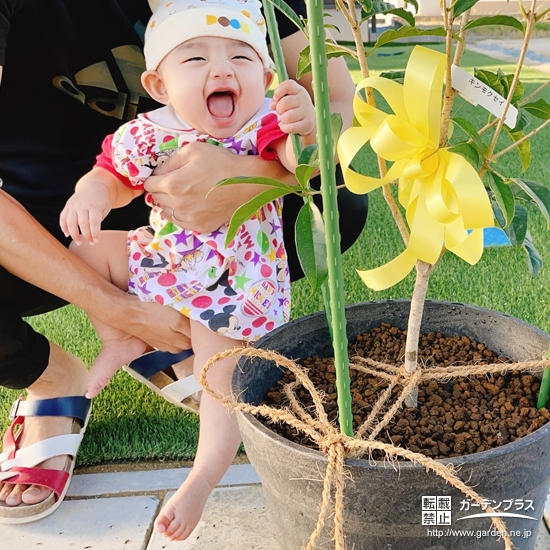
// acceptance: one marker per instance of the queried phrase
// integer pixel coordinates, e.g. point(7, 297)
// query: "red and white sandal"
point(17, 466)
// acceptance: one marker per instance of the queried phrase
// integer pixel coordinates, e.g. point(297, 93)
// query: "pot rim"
point(364, 462)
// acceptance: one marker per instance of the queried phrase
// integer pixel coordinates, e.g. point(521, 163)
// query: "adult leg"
point(28, 360)
point(219, 439)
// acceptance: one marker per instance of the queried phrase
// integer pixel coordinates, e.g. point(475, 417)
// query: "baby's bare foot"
point(183, 511)
point(113, 355)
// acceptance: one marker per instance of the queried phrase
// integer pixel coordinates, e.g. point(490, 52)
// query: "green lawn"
point(130, 423)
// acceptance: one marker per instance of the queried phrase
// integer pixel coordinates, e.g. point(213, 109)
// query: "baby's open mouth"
point(221, 104)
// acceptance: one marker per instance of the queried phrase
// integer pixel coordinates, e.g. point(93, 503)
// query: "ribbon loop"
point(444, 198)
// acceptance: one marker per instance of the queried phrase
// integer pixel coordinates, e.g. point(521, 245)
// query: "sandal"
point(17, 466)
point(153, 369)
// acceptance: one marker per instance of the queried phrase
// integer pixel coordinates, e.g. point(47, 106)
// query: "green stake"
point(544, 385)
point(278, 58)
point(333, 293)
point(319, 71)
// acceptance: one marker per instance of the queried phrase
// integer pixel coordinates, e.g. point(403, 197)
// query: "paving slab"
point(119, 523)
point(234, 517)
point(113, 483)
point(543, 538)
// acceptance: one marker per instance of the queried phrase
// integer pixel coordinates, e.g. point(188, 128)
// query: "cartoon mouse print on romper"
point(223, 323)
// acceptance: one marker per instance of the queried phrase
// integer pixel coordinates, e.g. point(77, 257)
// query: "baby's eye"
point(193, 59)
point(245, 57)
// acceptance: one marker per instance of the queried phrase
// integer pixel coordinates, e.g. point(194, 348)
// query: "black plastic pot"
point(383, 504)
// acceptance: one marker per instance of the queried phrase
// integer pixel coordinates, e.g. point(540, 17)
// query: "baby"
point(209, 65)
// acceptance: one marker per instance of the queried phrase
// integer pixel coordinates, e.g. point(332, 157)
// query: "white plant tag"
point(478, 93)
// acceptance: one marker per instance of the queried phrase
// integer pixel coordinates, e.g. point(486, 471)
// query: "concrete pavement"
point(116, 510)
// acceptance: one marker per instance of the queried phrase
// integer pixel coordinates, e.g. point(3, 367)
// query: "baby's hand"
point(86, 209)
point(295, 109)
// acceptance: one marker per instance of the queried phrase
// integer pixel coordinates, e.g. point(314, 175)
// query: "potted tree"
point(384, 505)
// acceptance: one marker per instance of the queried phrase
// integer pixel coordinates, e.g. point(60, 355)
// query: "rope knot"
point(327, 442)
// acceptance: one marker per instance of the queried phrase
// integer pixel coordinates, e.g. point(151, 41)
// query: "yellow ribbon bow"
point(445, 200)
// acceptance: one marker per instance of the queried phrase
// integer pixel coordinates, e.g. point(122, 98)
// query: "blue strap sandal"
point(150, 369)
point(19, 465)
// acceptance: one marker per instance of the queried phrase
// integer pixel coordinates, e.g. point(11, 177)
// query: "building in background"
point(429, 14)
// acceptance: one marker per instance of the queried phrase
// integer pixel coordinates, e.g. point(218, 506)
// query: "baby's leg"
point(109, 258)
point(219, 439)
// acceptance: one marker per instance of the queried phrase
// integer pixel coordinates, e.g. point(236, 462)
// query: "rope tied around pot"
point(338, 446)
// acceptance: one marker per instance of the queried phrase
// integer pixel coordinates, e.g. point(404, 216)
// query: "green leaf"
point(332, 49)
point(538, 193)
point(498, 214)
point(404, 14)
point(501, 83)
point(539, 109)
point(522, 121)
point(304, 173)
point(309, 155)
point(517, 230)
point(460, 6)
point(248, 209)
point(491, 20)
point(523, 149)
point(398, 76)
point(404, 32)
point(336, 124)
point(307, 164)
point(366, 5)
point(467, 151)
point(519, 90)
point(534, 260)
point(289, 12)
point(413, 3)
point(310, 244)
point(333, 27)
point(504, 197)
point(491, 79)
point(259, 181)
point(375, 7)
point(471, 131)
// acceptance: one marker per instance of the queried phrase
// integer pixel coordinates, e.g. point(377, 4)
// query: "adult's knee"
point(24, 353)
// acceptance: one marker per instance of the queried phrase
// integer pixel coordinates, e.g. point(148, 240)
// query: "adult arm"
point(184, 181)
point(28, 251)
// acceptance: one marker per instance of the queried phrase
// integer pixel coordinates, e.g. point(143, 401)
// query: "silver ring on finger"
point(173, 216)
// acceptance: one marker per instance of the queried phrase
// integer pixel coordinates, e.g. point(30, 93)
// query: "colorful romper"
point(241, 291)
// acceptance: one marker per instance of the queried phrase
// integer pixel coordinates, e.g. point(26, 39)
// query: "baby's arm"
point(96, 194)
point(293, 104)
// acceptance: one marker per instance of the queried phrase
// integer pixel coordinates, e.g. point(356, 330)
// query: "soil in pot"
point(460, 417)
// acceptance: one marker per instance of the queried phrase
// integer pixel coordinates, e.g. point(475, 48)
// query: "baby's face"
point(215, 84)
